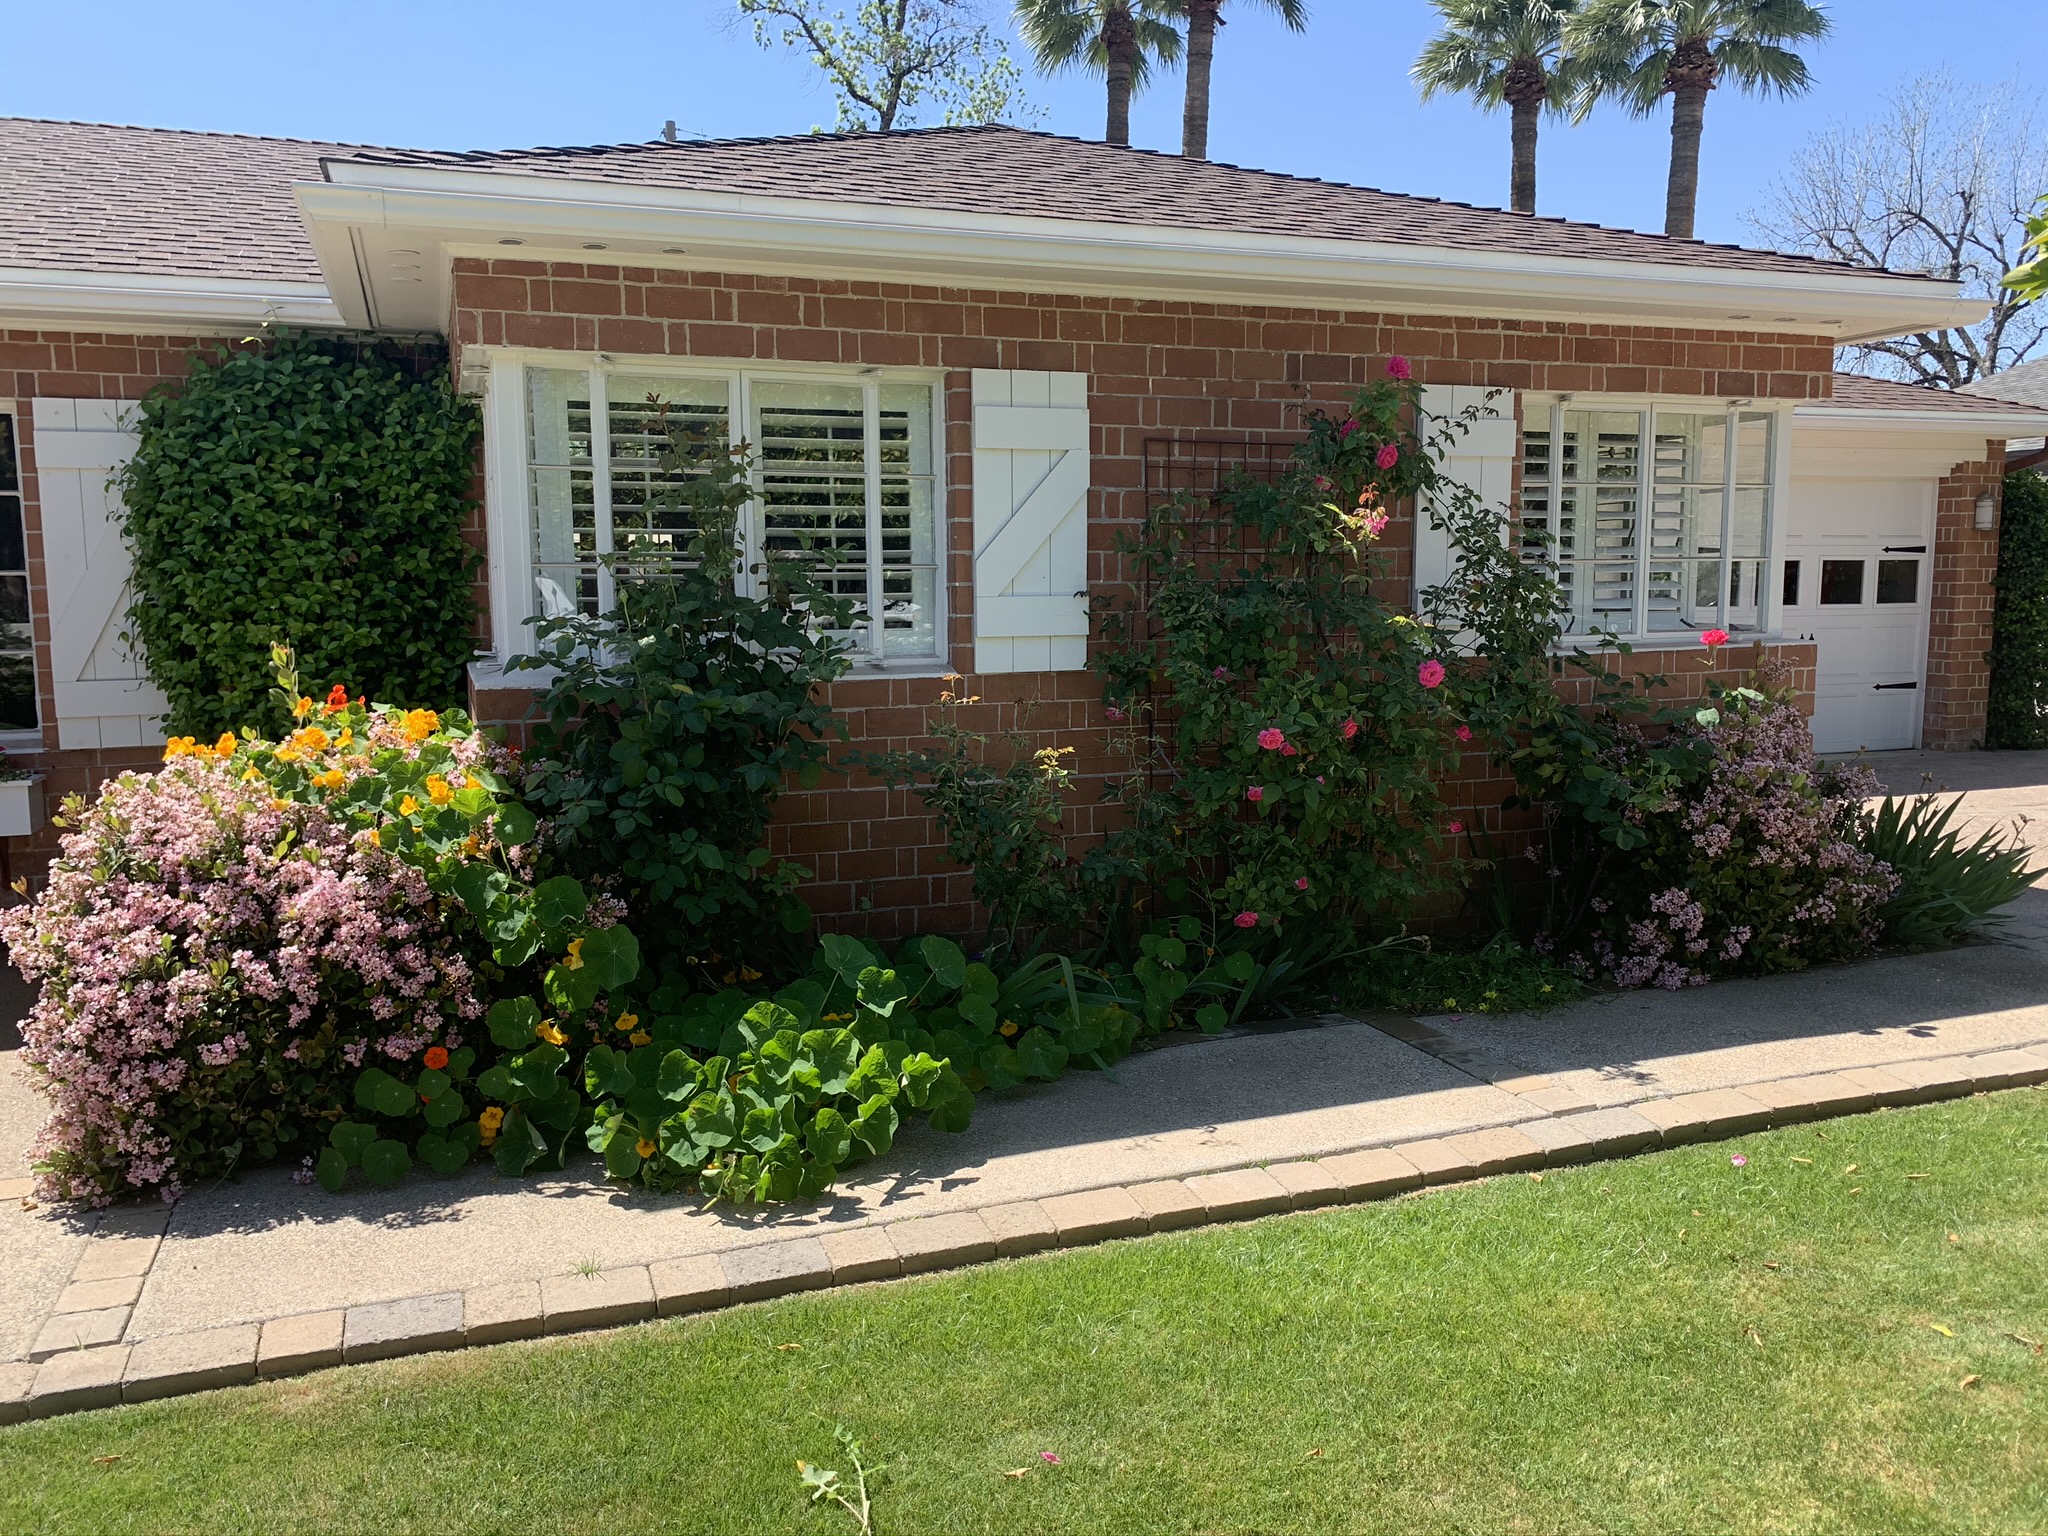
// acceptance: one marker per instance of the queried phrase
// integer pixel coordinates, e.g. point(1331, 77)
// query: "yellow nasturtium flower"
point(333, 778)
point(225, 747)
point(640, 1037)
point(645, 1148)
point(252, 775)
point(311, 739)
point(491, 1118)
point(548, 1032)
point(408, 806)
point(419, 724)
point(573, 961)
point(287, 753)
point(179, 746)
point(438, 790)
point(345, 737)
point(625, 1023)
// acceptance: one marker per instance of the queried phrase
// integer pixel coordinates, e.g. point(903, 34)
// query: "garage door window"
point(1898, 581)
point(1841, 582)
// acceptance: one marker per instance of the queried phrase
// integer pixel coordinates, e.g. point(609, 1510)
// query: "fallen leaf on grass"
point(1952, 1237)
point(1943, 1329)
point(1850, 1169)
point(1823, 1135)
point(1317, 1451)
point(1806, 1160)
point(1969, 1381)
point(2021, 1338)
point(1754, 1337)
point(1050, 1458)
point(106, 1461)
point(1770, 1263)
point(1919, 1175)
point(784, 1349)
point(1857, 1190)
point(1535, 1178)
point(1018, 1472)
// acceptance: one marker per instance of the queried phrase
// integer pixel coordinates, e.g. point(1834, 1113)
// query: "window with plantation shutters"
point(1659, 519)
point(845, 474)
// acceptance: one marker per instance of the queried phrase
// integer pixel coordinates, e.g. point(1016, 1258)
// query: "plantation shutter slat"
point(103, 694)
point(1482, 458)
point(1031, 477)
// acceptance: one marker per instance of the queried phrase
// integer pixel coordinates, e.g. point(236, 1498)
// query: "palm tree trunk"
point(1194, 122)
point(1682, 195)
point(1522, 181)
point(1119, 47)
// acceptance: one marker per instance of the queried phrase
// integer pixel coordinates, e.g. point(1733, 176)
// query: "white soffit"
point(369, 221)
point(49, 299)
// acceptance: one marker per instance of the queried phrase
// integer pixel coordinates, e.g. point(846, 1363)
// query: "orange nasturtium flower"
point(419, 724)
point(438, 790)
point(302, 709)
point(645, 1148)
point(437, 1057)
point(337, 700)
point(225, 747)
point(180, 746)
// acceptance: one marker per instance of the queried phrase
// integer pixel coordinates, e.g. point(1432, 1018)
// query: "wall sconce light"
point(1987, 513)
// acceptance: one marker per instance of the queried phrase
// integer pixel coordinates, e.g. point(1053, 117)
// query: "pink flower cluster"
point(210, 959)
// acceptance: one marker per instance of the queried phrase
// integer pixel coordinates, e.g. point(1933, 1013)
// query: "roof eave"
point(49, 297)
point(748, 232)
point(1988, 424)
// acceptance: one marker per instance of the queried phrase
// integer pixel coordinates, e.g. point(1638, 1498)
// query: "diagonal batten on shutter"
point(1482, 458)
point(1031, 478)
point(103, 694)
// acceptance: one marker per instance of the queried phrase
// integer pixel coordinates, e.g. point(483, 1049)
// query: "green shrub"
point(673, 721)
point(2018, 714)
point(1945, 887)
point(310, 492)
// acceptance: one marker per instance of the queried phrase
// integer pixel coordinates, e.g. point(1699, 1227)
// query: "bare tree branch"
point(1940, 183)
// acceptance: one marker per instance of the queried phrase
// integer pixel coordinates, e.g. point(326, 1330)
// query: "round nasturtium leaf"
point(385, 1162)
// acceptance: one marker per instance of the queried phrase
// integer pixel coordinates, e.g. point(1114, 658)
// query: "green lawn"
point(1672, 1344)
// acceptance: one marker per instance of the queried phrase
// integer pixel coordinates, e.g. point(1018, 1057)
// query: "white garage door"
point(1858, 566)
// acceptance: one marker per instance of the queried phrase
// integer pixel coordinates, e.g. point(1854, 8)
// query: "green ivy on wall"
point(310, 492)
point(2019, 625)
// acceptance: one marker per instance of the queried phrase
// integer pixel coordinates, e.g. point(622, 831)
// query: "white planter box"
point(21, 806)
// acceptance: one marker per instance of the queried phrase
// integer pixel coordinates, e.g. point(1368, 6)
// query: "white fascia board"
point(48, 298)
point(1076, 255)
point(1981, 424)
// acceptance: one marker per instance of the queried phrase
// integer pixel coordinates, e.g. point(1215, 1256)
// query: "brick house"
point(970, 356)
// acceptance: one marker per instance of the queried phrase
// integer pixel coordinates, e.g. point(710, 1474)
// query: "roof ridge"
point(209, 133)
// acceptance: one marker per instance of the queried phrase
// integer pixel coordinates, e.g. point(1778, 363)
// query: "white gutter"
point(2018, 422)
point(1082, 255)
point(52, 298)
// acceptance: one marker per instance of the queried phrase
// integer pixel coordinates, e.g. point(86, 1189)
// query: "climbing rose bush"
point(224, 944)
point(1753, 867)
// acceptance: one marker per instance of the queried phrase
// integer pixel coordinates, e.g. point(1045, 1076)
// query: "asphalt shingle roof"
point(2026, 384)
point(1000, 170)
point(90, 197)
point(1858, 392)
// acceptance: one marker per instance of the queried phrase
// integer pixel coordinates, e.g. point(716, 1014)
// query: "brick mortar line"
point(175, 1363)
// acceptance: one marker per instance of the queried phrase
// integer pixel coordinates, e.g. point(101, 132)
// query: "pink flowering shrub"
point(1752, 865)
point(227, 946)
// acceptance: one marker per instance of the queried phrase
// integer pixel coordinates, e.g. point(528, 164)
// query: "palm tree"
point(1499, 51)
point(1122, 39)
point(1204, 17)
point(1640, 51)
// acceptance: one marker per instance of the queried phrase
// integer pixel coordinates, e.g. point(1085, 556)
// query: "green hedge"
point(310, 491)
point(2019, 626)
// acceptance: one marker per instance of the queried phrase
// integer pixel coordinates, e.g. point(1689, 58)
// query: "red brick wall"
point(1155, 369)
point(1959, 619)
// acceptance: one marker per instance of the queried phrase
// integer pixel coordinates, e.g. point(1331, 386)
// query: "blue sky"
point(1335, 103)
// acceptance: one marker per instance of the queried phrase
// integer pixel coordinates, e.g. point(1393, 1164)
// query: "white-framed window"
point(846, 466)
point(19, 708)
point(1661, 517)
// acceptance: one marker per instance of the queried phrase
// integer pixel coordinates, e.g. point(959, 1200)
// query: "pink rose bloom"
point(1246, 920)
point(1301, 884)
point(1255, 794)
point(1350, 426)
point(1113, 713)
point(1272, 738)
point(1290, 750)
point(1456, 827)
point(1714, 638)
point(1463, 733)
point(1388, 456)
point(1397, 368)
point(1221, 674)
point(1350, 729)
point(1430, 674)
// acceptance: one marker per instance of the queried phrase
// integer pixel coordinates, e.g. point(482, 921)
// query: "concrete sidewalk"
point(271, 1274)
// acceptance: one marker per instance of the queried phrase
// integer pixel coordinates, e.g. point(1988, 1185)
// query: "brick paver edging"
point(83, 1377)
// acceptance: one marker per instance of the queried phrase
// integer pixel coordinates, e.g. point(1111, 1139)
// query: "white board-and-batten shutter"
point(1031, 477)
point(103, 694)
point(1482, 458)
